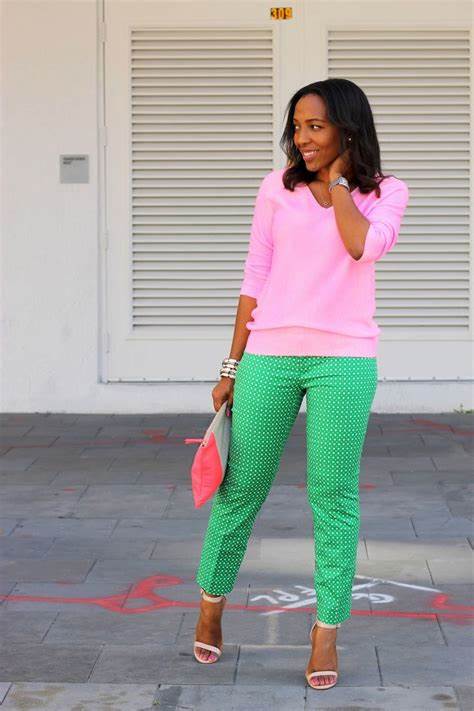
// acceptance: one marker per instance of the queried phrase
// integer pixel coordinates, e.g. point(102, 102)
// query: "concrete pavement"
point(100, 541)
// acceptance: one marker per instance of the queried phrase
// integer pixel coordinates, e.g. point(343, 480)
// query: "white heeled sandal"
point(204, 645)
point(325, 672)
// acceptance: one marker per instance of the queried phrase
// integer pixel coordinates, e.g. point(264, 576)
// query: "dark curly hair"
point(347, 108)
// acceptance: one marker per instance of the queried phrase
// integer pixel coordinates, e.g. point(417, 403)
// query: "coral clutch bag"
point(210, 460)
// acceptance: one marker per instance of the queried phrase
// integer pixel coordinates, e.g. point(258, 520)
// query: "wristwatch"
point(340, 180)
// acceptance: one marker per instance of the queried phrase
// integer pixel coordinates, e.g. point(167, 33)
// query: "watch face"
point(337, 181)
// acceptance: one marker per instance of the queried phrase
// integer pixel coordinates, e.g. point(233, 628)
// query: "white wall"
point(49, 231)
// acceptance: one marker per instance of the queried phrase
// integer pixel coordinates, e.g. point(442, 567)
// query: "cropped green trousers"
point(268, 391)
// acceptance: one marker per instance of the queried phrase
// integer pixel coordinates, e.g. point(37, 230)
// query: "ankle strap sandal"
point(203, 645)
point(324, 672)
point(215, 598)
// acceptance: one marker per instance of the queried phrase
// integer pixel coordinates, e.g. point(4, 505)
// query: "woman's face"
point(314, 136)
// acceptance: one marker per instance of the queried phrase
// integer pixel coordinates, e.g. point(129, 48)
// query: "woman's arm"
point(351, 223)
point(368, 239)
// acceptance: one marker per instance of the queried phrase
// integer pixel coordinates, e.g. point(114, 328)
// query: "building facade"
point(135, 135)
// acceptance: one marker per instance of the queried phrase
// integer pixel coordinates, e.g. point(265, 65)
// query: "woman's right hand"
point(223, 392)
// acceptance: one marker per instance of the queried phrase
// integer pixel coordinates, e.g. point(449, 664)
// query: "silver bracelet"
point(229, 367)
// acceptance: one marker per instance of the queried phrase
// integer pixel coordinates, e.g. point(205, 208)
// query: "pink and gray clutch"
point(210, 461)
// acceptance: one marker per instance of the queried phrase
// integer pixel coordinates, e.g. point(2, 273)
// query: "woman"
point(319, 226)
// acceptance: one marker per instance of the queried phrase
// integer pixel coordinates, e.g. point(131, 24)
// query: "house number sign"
point(281, 13)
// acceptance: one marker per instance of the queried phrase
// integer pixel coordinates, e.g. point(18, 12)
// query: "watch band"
point(341, 180)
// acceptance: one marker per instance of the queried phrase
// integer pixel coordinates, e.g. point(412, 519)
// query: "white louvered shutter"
point(417, 82)
point(202, 123)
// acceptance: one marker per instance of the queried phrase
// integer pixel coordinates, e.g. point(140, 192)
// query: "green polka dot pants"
point(268, 392)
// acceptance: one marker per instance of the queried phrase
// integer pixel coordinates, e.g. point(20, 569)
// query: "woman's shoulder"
point(273, 179)
point(391, 185)
point(272, 186)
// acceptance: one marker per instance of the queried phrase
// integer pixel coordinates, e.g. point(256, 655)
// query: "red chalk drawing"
point(301, 599)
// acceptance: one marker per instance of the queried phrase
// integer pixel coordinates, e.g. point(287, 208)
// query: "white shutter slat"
point(418, 85)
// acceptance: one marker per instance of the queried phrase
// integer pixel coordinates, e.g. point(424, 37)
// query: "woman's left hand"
point(341, 166)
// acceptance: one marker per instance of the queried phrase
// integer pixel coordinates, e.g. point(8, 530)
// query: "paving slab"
point(33, 570)
point(11, 460)
point(143, 464)
point(49, 454)
point(391, 463)
point(30, 476)
point(120, 451)
point(416, 449)
point(25, 500)
point(132, 663)
point(449, 526)
point(404, 697)
point(431, 477)
point(427, 548)
point(458, 570)
point(89, 547)
point(395, 528)
point(80, 697)
point(161, 663)
point(25, 626)
point(258, 697)
point(170, 664)
point(411, 631)
point(428, 665)
point(109, 476)
point(64, 526)
point(7, 430)
point(162, 529)
point(116, 500)
point(17, 547)
point(47, 662)
point(102, 626)
point(458, 461)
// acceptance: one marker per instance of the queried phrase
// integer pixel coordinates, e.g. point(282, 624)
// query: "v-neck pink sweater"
point(313, 297)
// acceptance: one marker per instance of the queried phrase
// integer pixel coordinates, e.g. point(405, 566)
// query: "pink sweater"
point(313, 298)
